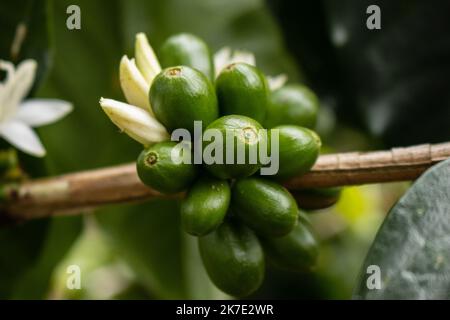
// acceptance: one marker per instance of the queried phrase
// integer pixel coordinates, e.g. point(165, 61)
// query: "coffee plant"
point(241, 114)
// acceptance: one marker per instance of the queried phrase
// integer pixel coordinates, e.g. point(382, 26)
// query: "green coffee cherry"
point(292, 104)
point(314, 199)
point(205, 206)
point(296, 251)
point(298, 150)
point(242, 89)
point(161, 169)
point(265, 206)
point(180, 95)
point(233, 258)
point(188, 50)
point(245, 134)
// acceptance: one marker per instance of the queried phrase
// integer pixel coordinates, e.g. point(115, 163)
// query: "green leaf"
point(85, 68)
point(412, 248)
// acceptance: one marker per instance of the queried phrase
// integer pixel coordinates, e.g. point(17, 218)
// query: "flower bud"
point(226, 56)
point(146, 59)
point(134, 86)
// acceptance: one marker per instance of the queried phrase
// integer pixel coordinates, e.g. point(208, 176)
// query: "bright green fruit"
point(180, 95)
point(188, 50)
point(296, 251)
point(233, 258)
point(292, 104)
point(157, 169)
point(205, 206)
point(298, 150)
point(265, 206)
point(237, 133)
point(242, 89)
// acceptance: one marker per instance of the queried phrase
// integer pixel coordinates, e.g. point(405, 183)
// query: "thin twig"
point(72, 193)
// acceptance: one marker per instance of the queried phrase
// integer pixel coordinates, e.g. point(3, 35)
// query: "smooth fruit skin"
point(298, 150)
point(205, 206)
point(188, 50)
point(242, 89)
point(265, 206)
point(292, 104)
point(296, 251)
point(247, 135)
point(156, 169)
point(233, 258)
point(180, 95)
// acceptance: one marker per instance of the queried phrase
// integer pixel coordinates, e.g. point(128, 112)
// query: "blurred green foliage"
point(147, 236)
point(27, 20)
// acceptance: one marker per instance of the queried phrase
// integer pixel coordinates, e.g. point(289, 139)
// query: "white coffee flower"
point(136, 76)
point(18, 117)
point(226, 56)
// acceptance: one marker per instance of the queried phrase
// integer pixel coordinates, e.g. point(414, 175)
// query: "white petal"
point(146, 60)
point(17, 87)
point(225, 57)
point(22, 137)
point(277, 81)
point(39, 112)
point(243, 56)
point(221, 59)
point(134, 86)
point(134, 121)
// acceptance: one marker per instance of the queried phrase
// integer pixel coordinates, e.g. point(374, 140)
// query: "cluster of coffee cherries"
point(249, 140)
